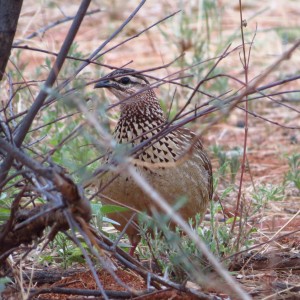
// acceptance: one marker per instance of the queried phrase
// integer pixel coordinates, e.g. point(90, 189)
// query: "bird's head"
point(124, 83)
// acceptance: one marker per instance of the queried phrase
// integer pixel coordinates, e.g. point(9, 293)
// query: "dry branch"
point(28, 119)
point(25, 225)
point(9, 16)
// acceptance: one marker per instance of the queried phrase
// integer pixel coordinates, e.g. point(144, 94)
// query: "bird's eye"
point(125, 80)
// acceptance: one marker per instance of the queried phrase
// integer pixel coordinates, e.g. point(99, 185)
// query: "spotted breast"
point(175, 164)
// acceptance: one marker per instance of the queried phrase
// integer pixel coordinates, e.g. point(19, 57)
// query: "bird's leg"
point(134, 238)
point(133, 247)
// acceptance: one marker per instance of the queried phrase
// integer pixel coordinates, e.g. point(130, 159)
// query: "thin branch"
point(28, 119)
point(239, 205)
point(50, 26)
point(137, 35)
point(115, 33)
point(73, 226)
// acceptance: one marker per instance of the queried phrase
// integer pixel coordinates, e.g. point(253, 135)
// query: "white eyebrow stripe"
point(133, 79)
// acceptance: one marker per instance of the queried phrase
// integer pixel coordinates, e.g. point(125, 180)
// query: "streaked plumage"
point(167, 164)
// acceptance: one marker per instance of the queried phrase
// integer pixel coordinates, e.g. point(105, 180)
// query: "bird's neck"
point(143, 107)
point(139, 120)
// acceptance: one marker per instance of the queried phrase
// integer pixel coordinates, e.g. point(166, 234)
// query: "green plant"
point(100, 211)
point(3, 282)
point(266, 193)
point(176, 253)
point(228, 161)
point(191, 35)
point(288, 35)
point(65, 252)
point(4, 207)
point(293, 174)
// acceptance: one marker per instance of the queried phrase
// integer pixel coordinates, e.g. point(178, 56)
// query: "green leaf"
point(96, 208)
point(3, 282)
point(4, 213)
point(110, 208)
point(230, 220)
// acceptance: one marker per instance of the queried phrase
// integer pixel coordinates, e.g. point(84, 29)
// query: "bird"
point(175, 164)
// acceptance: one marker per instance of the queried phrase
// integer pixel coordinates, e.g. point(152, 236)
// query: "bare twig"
point(245, 64)
point(115, 33)
point(50, 26)
point(28, 119)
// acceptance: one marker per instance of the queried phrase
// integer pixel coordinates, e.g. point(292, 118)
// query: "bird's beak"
point(103, 84)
